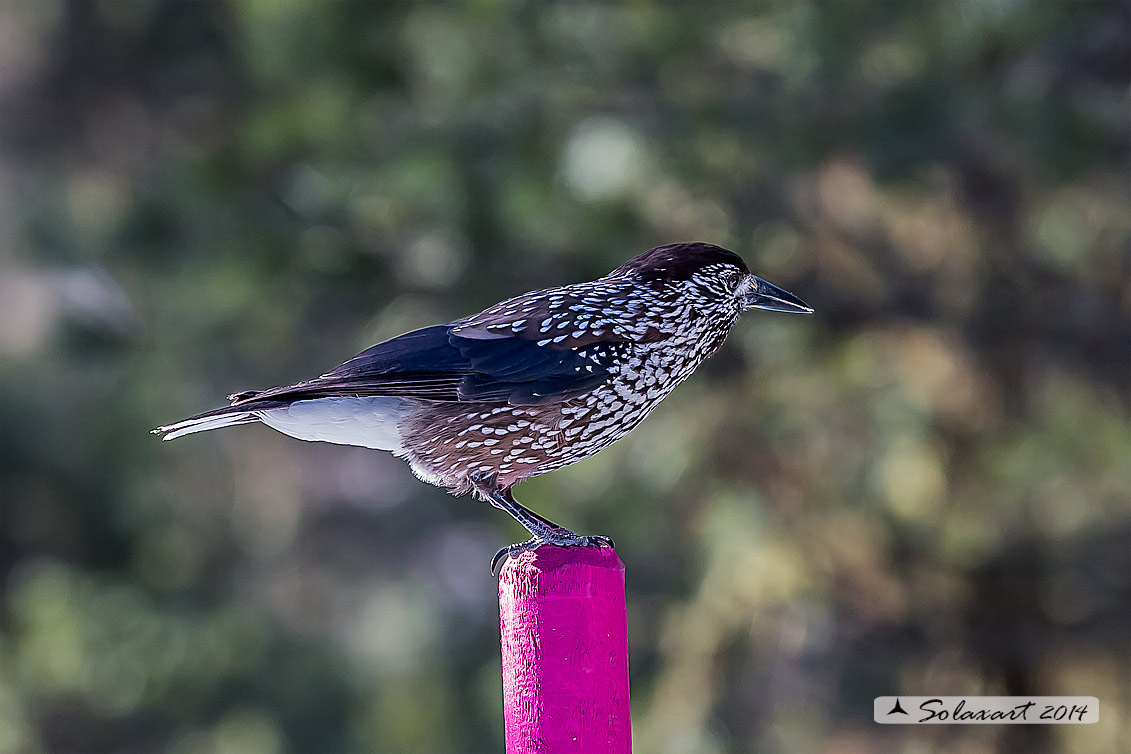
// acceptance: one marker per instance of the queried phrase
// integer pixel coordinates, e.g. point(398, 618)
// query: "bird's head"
point(710, 272)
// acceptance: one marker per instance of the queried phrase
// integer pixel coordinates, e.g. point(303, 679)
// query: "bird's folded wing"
point(441, 363)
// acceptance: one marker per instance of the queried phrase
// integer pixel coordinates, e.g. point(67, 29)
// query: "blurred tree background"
point(922, 489)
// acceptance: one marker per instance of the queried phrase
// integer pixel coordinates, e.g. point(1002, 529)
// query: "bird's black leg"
point(561, 529)
point(543, 531)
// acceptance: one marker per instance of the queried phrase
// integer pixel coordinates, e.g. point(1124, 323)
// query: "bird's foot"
point(545, 531)
point(558, 538)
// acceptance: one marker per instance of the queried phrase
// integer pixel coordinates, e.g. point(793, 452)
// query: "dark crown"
point(677, 261)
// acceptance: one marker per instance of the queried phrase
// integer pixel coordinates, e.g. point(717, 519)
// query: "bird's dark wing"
point(522, 372)
point(442, 363)
point(418, 364)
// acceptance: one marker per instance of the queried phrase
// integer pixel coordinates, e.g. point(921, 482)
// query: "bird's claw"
point(569, 539)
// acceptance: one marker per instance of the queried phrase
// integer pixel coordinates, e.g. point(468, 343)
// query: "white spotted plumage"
point(662, 333)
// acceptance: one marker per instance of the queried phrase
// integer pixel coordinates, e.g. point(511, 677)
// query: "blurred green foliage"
point(923, 489)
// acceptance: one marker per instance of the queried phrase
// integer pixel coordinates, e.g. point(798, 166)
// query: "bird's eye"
point(742, 284)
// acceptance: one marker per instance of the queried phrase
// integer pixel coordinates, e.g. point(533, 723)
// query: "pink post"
point(565, 652)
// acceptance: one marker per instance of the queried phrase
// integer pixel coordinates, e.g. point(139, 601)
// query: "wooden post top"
point(565, 652)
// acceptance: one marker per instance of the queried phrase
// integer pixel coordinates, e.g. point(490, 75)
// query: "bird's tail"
point(221, 417)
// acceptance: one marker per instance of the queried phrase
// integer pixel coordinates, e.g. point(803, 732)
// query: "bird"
point(526, 386)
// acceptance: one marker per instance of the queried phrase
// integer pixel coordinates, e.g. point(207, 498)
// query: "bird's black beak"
point(769, 296)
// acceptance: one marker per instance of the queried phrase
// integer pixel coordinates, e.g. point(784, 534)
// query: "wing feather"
point(443, 363)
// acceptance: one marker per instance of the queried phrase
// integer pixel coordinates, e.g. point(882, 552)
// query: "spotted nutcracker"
point(529, 385)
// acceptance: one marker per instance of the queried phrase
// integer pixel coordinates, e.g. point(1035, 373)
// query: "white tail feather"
point(203, 424)
point(369, 422)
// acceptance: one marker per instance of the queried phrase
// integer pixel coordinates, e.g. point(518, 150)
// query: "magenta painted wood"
point(565, 652)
